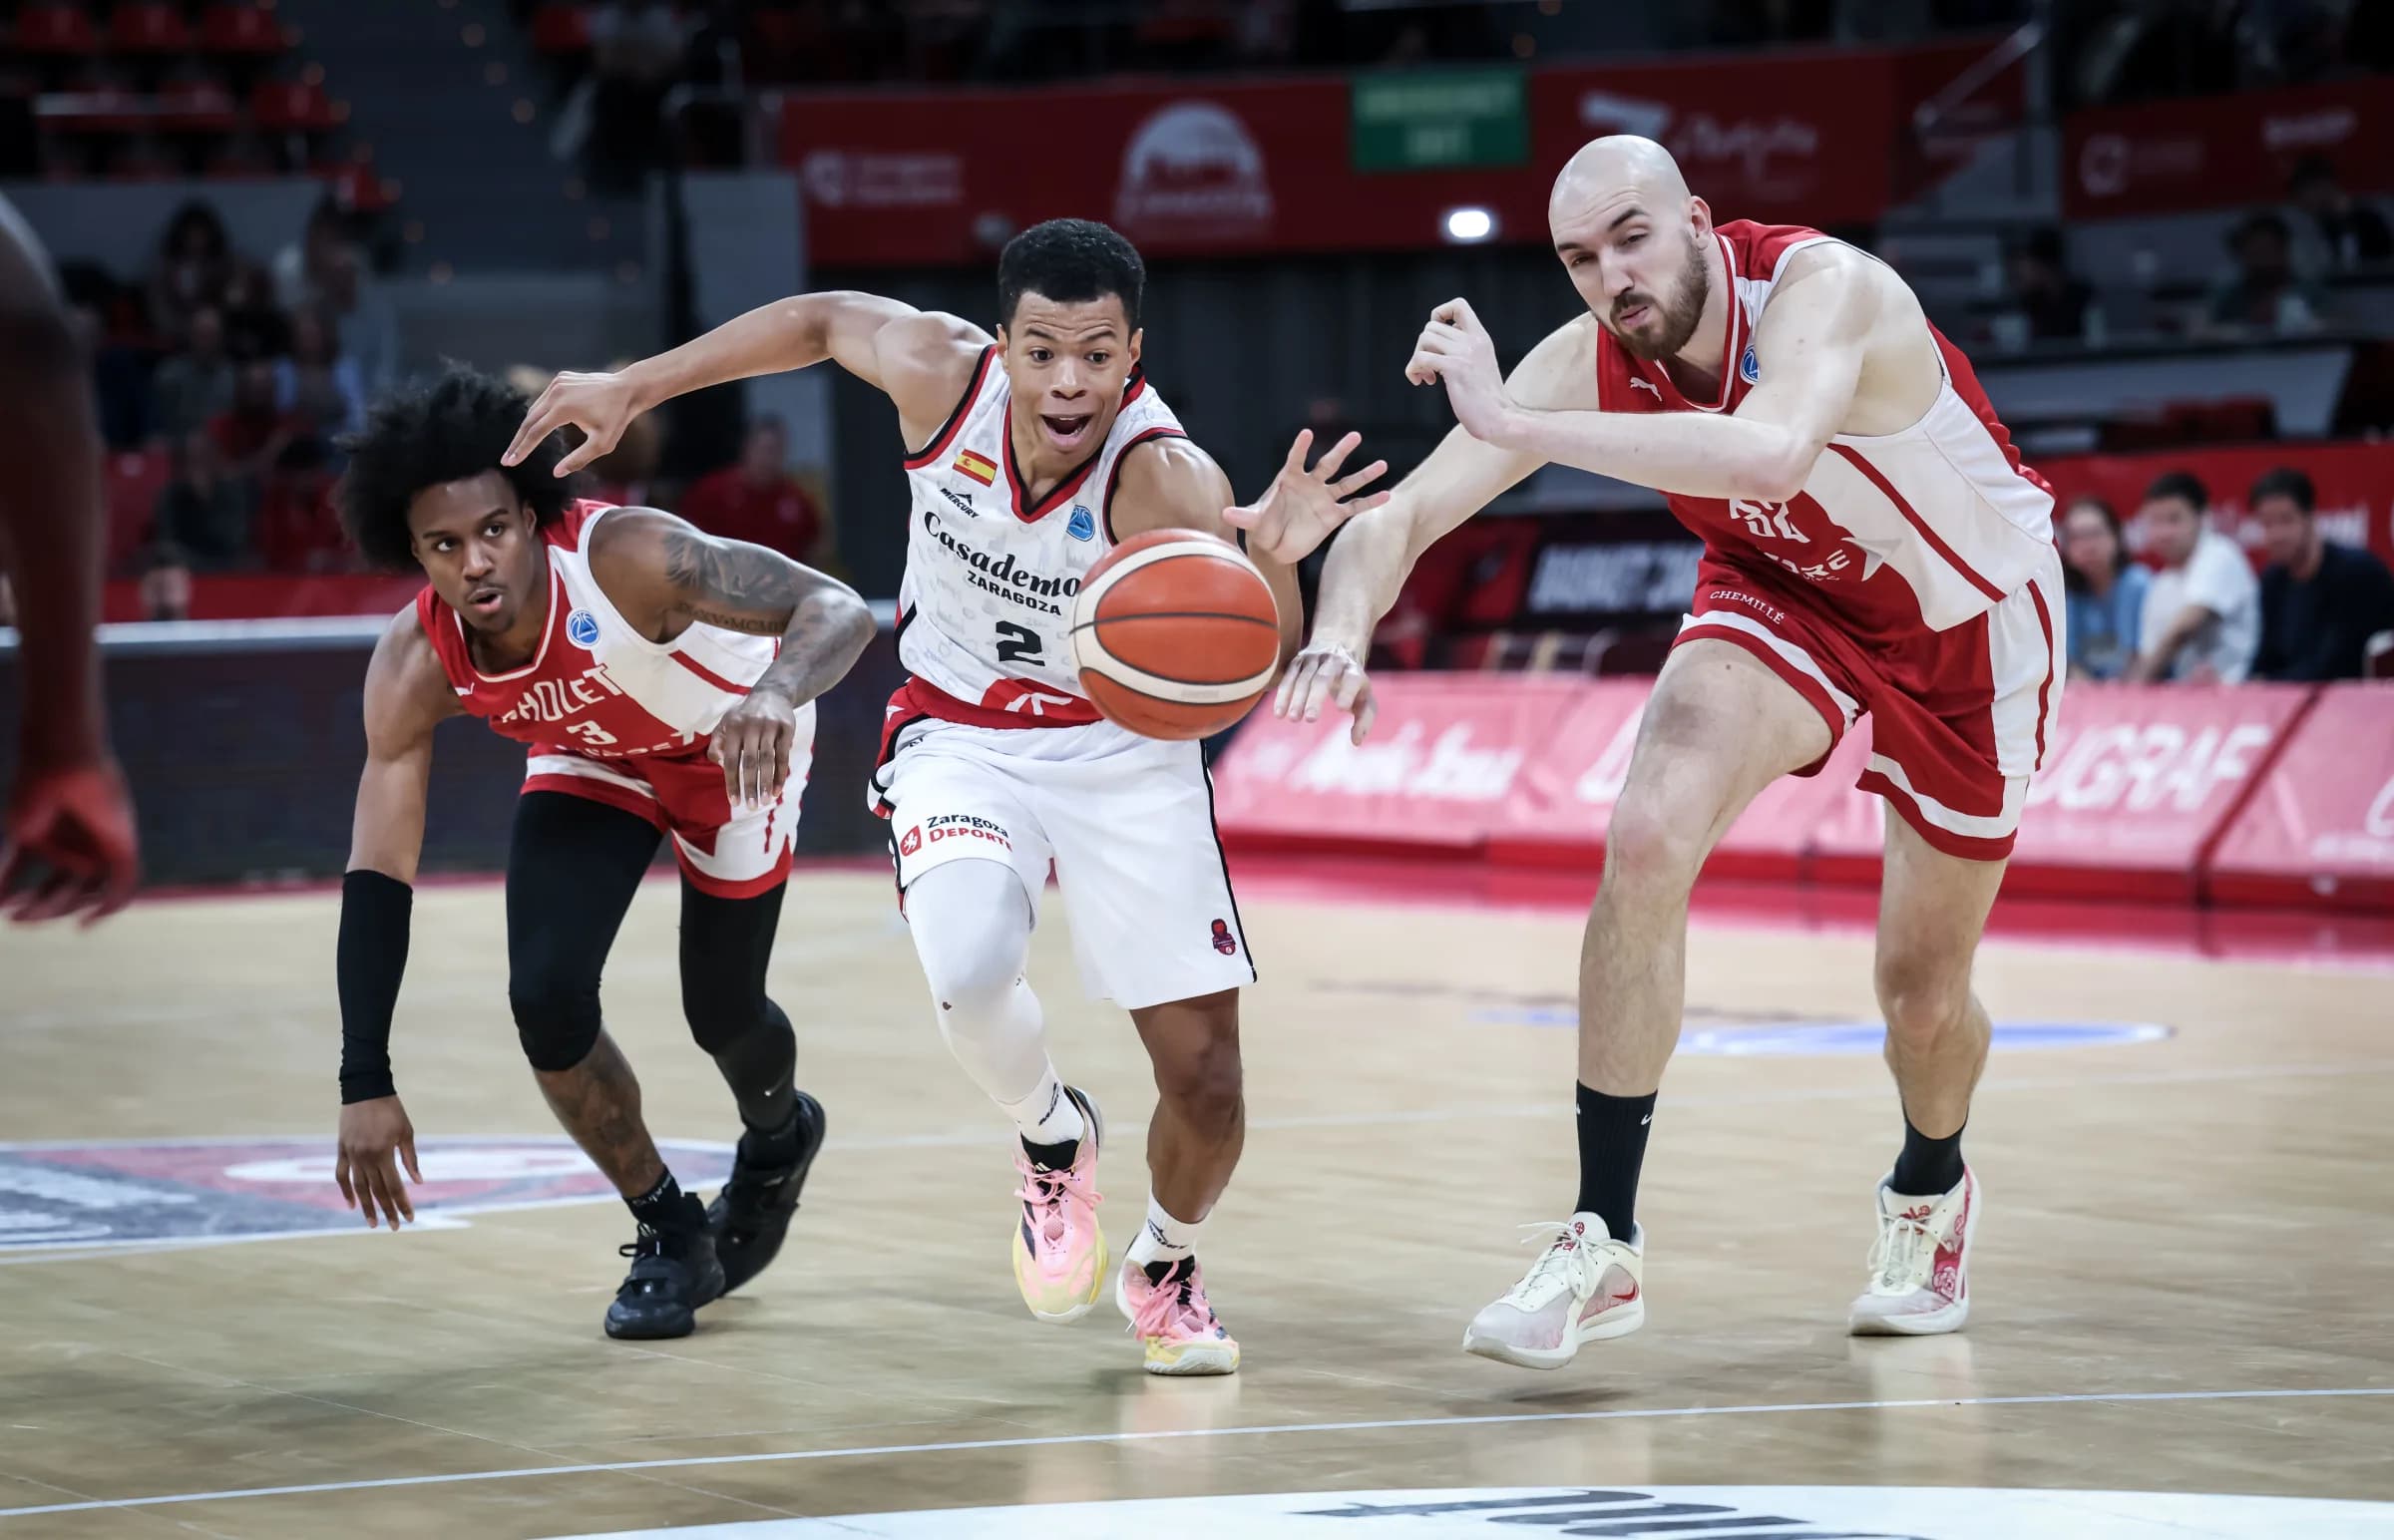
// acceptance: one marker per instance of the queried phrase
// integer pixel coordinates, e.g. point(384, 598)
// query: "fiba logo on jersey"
point(1192, 169)
point(582, 629)
point(1749, 370)
point(1083, 524)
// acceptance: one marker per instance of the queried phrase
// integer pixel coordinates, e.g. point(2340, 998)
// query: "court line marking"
point(612, 1467)
point(455, 1218)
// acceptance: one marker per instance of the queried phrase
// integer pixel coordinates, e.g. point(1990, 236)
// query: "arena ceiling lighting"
point(1467, 226)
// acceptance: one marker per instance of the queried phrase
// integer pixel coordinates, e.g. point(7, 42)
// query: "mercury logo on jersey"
point(1001, 576)
point(552, 700)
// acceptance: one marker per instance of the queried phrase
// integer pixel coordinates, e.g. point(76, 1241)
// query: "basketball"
point(1175, 634)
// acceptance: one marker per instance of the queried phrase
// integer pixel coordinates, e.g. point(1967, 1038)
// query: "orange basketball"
point(1175, 634)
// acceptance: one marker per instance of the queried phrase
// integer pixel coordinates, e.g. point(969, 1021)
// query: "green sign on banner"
point(1428, 119)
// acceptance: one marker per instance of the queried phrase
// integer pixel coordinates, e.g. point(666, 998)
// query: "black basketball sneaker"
point(674, 1272)
point(751, 1215)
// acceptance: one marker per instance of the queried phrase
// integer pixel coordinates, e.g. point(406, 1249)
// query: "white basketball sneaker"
point(1584, 1288)
point(1920, 1264)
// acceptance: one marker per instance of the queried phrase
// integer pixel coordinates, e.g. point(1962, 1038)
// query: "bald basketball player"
point(1872, 546)
point(68, 812)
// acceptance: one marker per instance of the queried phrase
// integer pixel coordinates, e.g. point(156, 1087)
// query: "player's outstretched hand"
point(375, 1137)
point(752, 744)
point(1326, 672)
point(1301, 507)
point(600, 405)
point(1457, 349)
point(77, 820)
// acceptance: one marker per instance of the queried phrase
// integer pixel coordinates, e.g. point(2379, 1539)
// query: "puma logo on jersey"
point(963, 503)
point(1646, 386)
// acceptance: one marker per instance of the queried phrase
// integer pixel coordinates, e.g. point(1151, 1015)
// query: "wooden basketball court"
point(2182, 1291)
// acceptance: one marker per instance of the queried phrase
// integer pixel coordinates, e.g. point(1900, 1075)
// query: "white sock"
point(1046, 1115)
point(1164, 1238)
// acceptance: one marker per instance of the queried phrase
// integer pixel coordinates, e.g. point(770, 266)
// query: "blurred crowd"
point(2277, 265)
point(2196, 612)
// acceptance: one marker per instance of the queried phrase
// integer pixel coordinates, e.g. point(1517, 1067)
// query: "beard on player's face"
point(1661, 322)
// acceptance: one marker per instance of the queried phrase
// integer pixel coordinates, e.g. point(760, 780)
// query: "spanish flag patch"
point(977, 467)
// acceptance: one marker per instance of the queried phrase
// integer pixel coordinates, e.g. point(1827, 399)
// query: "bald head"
point(1620, 163)
point(1635, 241)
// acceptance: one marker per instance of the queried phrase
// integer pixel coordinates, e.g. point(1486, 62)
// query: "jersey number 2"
point(1017, 644)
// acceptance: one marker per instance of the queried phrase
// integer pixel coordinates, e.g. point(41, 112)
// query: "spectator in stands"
point(204, 510)
point(2107, 591)
point(254, 326)
point(2203, 615)
point(755, 500)
point(254, 434)
point(194, 387)
point(2047, 304)
point(194, 267)
point(2355, 234)
point(165, 584)
point(2321, 601)
point(315, 386)
point(162, 586)
point(635, 54)
point(2265, 294)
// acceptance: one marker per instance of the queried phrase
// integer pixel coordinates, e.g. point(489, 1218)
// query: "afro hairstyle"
point(429, 432)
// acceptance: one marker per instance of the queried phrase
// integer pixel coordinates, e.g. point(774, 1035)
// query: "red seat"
point(285, 106)
point(198, 106)
point(149, 27)
point(559, 28)
point(56, 29)
point(134, 479)
point(230, 28)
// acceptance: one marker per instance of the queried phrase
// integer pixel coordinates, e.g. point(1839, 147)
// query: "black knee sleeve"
point(556, 1019)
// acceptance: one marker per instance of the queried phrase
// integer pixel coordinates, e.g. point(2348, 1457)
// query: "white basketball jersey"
point(983, 611)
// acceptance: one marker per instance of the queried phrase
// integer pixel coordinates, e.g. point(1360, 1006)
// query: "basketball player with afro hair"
point(663, 682)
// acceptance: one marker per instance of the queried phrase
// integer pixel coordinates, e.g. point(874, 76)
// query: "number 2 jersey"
point(985, 609)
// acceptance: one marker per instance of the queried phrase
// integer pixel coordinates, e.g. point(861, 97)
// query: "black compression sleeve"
point(372, 956)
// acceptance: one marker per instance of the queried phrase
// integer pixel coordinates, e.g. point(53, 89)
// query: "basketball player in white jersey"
point(1030, 456)
point(1871, 544)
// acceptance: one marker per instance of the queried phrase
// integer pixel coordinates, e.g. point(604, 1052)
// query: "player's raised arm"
point(1172, 484)
point(919, 359)
point(1808, 345)
point(1376, 550)
point(653, 563)
point(407, 695)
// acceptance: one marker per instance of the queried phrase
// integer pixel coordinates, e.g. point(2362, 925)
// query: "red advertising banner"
point(1445, 757)
point(1228, 167)
point(2219, 152)
point(2320, 828)
point(249, 596)
point(2138, 781)
point(2141, 784)
point(2355, 483)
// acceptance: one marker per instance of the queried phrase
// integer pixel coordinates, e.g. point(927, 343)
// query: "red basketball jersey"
point(1890, 534)
point(597, 687)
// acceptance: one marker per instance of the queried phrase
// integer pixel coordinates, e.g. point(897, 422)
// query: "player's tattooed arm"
point(664, 574)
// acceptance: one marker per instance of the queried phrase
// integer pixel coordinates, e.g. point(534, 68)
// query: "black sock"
point(666, 1207)
point(1612, 1146)
point(1927, 1168)
point(1055, 1157)
point(772, 1146)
